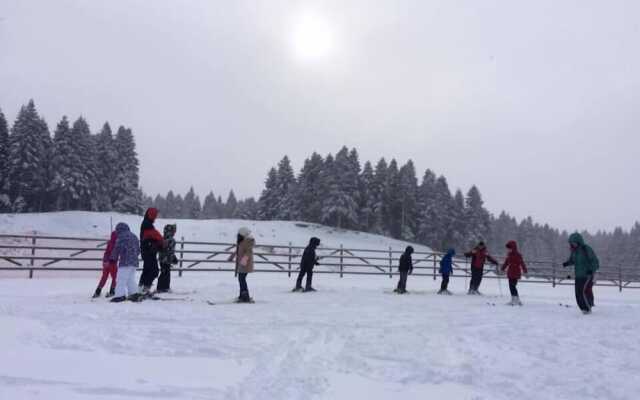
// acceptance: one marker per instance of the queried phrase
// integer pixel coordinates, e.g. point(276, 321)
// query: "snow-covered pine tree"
point(126, 192)
point(428, 210)
point(477, 218)
point(267, 205)
point(66, 164)
point(178, 204)
point(170, 210)
point(106, 162)
point(459, 226)
point(286, 190)
point(408, 193)
point(210, 207)
point(192, 207)
point(393, 201)
point(27, 160)
point(340, 207)
point(87, 183)
point(246, 209)
point(308, 198)
point(446, 214)
point(378, 193)
point(366, 199)
point(5, 202)
point(231, 205)
point(160, 203)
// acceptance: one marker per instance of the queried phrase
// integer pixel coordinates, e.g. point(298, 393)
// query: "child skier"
point(308, 261)
point(167, 258)
point(446, 268)
point(479, 255)
point(244, 262)
point(109, 268)
point(125, 253)
point(585, 263)
point(150, 242)
point(405, 268)
point(515, 267)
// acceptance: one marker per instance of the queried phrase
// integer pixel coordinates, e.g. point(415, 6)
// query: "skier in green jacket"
point(585, 263)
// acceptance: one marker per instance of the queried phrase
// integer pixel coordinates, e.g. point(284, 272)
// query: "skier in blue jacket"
point(446, 268)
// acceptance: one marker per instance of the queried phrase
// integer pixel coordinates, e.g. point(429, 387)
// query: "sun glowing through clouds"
point(312, 38)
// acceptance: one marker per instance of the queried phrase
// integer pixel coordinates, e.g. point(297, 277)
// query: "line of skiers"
point(120, 261)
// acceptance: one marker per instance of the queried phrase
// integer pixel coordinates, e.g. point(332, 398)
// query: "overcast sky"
point(536, 102)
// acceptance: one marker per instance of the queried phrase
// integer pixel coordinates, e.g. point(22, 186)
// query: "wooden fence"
point(33, 253)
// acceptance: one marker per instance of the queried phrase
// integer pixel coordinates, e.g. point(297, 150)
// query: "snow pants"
point(584, 292)
point(476, 278)
point(164, 280)
point(110, 270)
point(512, 287)
point(303, 272)
point(402, 283)
point(445, 282)
point(149, 270)
point(126, 281)
point(244, 288)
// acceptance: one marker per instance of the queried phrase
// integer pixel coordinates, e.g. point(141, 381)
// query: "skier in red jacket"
point(108, 268)
point(151, 241)
point(515, 267)
point(479, 255)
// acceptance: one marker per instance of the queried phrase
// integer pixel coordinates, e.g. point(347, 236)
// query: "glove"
point(565, 264)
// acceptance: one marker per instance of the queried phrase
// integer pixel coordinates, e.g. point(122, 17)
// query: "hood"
point(481, 245)
point(151, 214)
point(512, 245)
point(121, 228)
point(170, 230)
point(409, 250)
point(451, 252)
point(314, 241)
point(577, 239)
point(244, 232)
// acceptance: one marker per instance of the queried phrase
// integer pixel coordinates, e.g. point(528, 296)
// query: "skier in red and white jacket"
point(515, 267)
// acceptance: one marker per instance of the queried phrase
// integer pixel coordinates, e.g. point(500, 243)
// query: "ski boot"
point(297, 289)
point(309, 289)
point(244, 298)
point(448, 293)
point(96, 294)
point(111, 293)
point(136, 297)
point(471, 292)
point(119, 299)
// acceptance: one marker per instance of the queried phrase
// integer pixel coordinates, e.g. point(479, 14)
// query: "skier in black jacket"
point(405, 268)
point(308, 261)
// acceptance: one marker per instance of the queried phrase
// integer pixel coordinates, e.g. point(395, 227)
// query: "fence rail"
point(33, 253)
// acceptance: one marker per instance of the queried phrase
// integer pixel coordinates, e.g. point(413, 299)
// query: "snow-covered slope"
point(97, 225)
point(353, 339)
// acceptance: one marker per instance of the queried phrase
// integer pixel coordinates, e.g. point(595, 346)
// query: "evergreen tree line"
point(73, 170)
point(190, 206)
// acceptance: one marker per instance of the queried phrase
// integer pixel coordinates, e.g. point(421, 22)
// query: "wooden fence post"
point(620, 277)
point(33, 253)
point(290, 258)
point(390, 263)
point(341, 260)
point(434, 266)
point(553, 278)
point(181, 256)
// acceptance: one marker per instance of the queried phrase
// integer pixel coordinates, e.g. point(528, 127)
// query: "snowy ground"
point(351, 340)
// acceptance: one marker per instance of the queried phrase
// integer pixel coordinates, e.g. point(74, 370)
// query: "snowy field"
point(352, 339)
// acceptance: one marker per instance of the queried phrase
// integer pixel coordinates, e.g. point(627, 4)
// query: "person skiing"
point(125, 253)
point(515, 267)
point(167, 258)
point(479, 255)
point(405, 268)
point(446, 268)
point(109, 268)
point(308, 261)
point(586, 264)
point(244, 262)
point(150, 242)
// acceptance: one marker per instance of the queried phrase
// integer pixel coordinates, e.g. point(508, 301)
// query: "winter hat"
point(409, 250)
point(151, 214)
point(170, 229)
point(314, 241)
point(244, 232)
point(122, 227)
